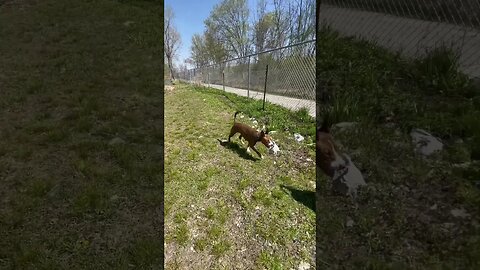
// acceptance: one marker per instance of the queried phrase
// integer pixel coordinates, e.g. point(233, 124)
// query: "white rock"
point(128, 23)
point(304, 266)
point(461, 213)
point(116, 141)
point(349, 222)
point(426, 144)
point(298, 137)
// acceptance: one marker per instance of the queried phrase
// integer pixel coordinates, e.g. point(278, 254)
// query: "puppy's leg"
point(256, 151)
point(241, 139)
point(232, 132)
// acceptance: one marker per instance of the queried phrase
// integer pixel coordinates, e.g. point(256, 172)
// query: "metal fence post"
point(265, 88)
point(248, 75)
point(286, 82)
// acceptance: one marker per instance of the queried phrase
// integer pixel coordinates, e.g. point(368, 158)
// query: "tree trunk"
point(172, 76)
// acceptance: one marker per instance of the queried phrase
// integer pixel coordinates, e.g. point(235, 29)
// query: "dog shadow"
point(239, 149)
point(304, 197)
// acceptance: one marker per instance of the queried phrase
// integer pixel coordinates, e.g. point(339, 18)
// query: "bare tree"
point(199, 50)
point(228, 33)
point(263, 28)
point(172, 39)
point(216, 50)
point(281, 23)
point(228, 24)
point(302, 14)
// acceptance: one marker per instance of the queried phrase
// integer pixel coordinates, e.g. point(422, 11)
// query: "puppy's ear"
point(267, 131)
point(262, 134)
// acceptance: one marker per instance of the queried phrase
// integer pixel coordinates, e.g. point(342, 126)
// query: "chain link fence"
point(412, 27)
point(284, 76)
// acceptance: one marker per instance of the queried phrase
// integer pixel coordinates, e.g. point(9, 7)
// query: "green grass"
point(274, 117)
point(400, 221)
point(74, 77)
point(224, 207)
point(369, 84)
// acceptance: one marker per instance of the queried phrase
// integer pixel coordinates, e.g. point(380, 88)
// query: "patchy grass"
point(403, 220)
point(224, 208)
point(274, 117)
point(74, 77)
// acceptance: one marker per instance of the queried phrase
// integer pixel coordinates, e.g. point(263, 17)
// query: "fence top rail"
point(253, 54)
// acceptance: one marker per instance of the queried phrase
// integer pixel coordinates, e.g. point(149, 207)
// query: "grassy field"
point(224, 208)
point(404, 219)
point(81, 135)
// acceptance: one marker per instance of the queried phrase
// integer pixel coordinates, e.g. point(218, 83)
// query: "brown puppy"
point(251, 135)
point(328, 159)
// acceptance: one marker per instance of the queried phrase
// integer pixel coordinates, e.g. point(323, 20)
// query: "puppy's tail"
point(235, 116)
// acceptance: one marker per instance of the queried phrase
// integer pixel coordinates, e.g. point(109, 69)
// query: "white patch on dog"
point(274, 149)
point(347, 179)
point(338, 162)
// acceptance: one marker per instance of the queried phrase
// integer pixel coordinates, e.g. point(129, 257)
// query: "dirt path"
point(287, 102)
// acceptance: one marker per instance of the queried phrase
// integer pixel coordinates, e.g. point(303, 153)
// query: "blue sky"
point(189, 18)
